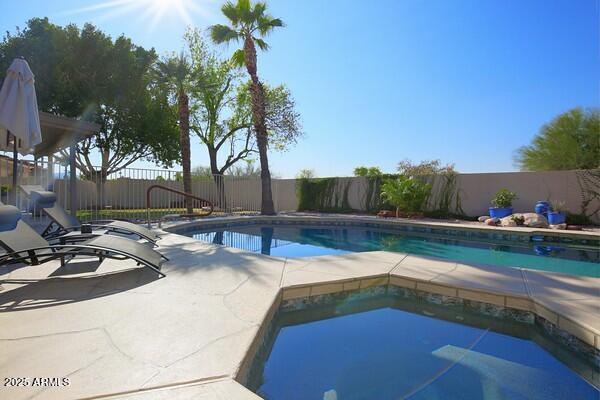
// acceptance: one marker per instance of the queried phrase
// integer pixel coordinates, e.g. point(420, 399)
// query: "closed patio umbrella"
point(19, 114)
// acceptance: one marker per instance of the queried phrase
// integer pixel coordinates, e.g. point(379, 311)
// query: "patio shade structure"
point(59, 133)
point(19, 117)
point(25, 130)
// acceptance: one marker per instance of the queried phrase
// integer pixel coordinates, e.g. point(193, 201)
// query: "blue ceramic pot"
point(500, 212)
point(555, 218)
point(542, 207)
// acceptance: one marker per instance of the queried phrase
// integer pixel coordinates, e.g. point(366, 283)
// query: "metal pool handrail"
point(203, 202)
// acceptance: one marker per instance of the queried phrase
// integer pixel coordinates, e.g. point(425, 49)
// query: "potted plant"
point(502, 203)
point(558, 214)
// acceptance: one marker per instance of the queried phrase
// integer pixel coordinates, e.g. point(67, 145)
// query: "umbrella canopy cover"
point(18, 107)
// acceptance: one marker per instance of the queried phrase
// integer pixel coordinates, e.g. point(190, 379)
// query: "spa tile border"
point(301, 297)
point(492, 297)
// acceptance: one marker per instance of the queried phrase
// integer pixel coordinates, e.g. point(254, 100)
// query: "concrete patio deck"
point(117, 331)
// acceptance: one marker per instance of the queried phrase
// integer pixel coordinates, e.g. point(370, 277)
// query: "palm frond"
point(244, 10)
point(223, 34)
point(173, 71)
point(238, 58)
point(259, 10)
point(231, 12)
point(277, 22)
point(261, 43)
point(266, 23)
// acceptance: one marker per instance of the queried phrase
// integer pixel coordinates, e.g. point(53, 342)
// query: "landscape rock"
point(574, 227)
point(492, 221)
point(507, 221)
point(534, 220)
point(386, 214)
point(559, 226)
point(483, 218)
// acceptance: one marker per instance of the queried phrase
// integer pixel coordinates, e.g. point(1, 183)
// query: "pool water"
point(401, 350)
point(307, 241)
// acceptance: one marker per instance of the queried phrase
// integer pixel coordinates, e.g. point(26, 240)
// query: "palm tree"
point(249, 24)
point(174, 73)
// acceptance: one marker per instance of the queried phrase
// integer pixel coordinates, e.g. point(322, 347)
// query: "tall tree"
point(175, 73)
point(221, 112)
point(218, 118)
point(249, 24)
point(569, 141)
point(83, 73)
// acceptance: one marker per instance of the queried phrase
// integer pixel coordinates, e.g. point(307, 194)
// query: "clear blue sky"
point(377, 82)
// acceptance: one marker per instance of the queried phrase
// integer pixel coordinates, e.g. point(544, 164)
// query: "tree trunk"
point(218, 178)
point(99, 178)
point(258, 118)
point(184, 138)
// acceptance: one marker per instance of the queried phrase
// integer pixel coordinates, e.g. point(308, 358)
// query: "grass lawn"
point(132, 213)
point(140, 213)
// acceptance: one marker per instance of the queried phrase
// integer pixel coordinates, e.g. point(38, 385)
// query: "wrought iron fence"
point(122, 195)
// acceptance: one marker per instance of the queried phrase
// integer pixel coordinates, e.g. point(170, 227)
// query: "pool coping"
point(177, 226)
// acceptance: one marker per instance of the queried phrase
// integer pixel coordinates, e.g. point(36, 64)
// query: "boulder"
point(483, 218)
point(534, 220)
point(559, 226)
point(507, 221)
point(491, 221)
point(386, 214)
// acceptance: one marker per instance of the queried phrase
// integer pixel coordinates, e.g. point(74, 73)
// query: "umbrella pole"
point(15, 172)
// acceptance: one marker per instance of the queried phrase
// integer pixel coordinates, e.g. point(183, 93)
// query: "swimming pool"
point(396, 348)
point(307, 240)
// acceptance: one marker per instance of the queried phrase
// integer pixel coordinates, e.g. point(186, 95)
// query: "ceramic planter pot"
point(500, 212)
point(542, 207)
point(556, 218)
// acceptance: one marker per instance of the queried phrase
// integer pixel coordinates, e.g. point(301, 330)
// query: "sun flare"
point(149, 12)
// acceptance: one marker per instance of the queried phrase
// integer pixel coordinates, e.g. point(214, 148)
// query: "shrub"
point(406, 193)
point(558, 206)
point(518, 219)
point(503, 198)
point(578, 219)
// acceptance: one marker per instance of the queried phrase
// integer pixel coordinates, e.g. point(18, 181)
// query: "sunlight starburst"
point(150, 12)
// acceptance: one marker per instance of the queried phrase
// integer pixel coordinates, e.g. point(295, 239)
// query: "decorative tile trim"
point(485, 302)
point(569, 340)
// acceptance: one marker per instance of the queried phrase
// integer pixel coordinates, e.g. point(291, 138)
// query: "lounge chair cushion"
point(9, 217)
point(42, 198)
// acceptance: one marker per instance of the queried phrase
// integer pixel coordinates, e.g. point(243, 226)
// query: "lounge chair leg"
point(33, 258)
